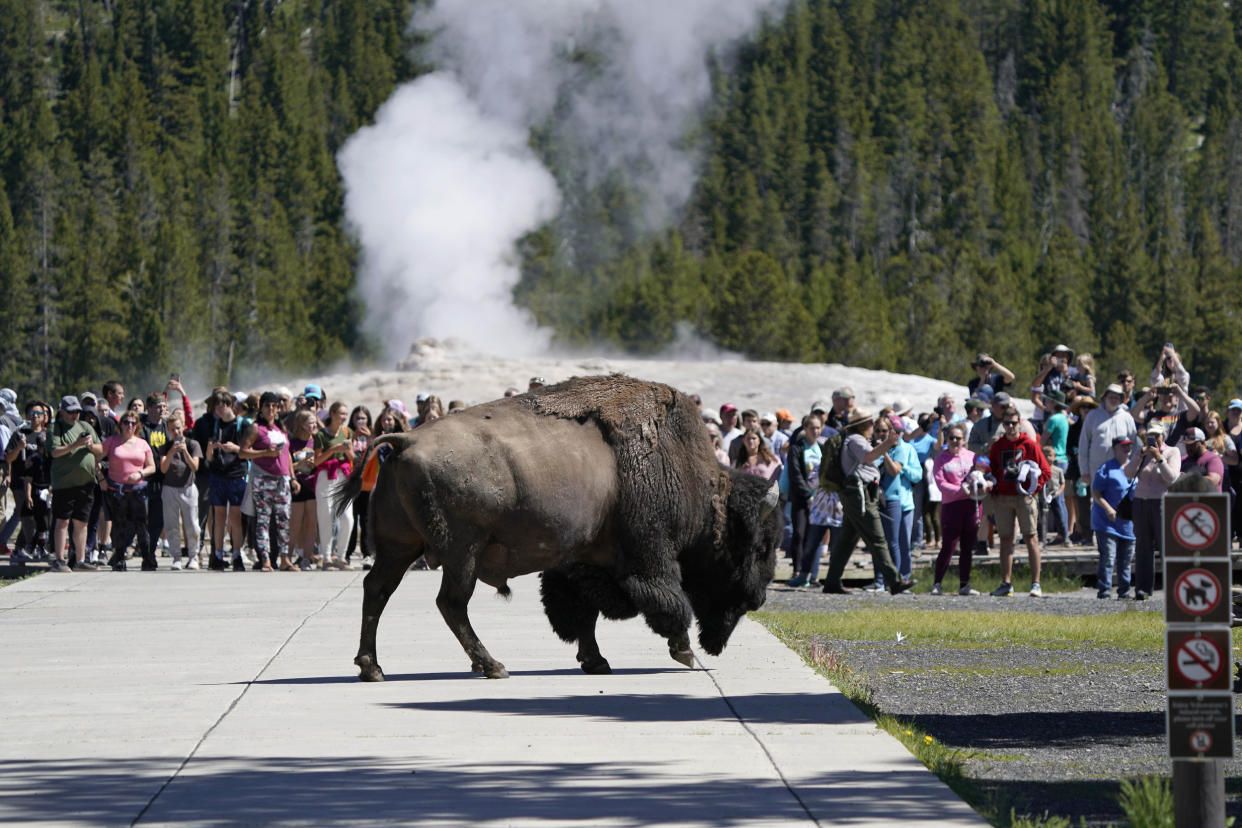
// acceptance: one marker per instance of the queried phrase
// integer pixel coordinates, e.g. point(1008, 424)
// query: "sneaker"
point(18, 556)
point(176, 564)
point(936, 590)
point(191, 562)
point(341, 563)
point(58, 565)
point(1139, 595)
point(1036, 591)
point(366, 561)
point(239, 564)
point(966, 590)
point(799, 581)
point(1103, 596)
point(85, 566)
point(1003, 591)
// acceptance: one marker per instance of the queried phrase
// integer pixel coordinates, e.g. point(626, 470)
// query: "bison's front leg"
point(456, 587)
point(377, 588)
point(573, 617)
point(679, 649)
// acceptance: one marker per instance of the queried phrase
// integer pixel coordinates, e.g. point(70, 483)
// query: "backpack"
point(831, 475)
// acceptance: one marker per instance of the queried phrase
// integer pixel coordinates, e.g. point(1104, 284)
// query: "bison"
point(604, 484)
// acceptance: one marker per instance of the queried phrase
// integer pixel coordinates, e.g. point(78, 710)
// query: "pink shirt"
point(126, 457)
point(270, 438)
point(949, 470)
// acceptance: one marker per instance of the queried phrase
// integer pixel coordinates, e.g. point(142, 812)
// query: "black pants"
point(799, 518)
point(129, 522)
point(33, 513)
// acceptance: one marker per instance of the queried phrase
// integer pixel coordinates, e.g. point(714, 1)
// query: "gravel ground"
point(1044, 730)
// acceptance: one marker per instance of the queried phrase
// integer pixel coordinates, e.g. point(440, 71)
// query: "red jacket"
point(1012, 452)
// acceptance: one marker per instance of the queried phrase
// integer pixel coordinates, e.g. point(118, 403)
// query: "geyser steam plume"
point(444, 183)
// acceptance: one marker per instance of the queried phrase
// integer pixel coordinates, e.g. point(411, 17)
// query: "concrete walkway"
point(222, 699)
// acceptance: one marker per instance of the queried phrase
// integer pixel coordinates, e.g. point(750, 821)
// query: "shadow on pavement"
point(345, 790)
point(765, 708)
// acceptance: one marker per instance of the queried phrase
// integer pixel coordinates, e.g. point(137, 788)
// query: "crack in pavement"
point(233, 705)
point(755, 736)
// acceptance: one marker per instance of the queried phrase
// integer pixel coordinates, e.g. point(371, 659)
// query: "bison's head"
point(732, 579)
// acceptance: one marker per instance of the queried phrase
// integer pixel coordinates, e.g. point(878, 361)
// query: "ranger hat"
point(859, 418)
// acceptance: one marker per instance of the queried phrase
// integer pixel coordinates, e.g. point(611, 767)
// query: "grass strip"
point(1131, 629)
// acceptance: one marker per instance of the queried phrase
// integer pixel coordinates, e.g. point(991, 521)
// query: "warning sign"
point(1196, 525)
point(1198, 591)
point(1200, 727)
point(1198, 659)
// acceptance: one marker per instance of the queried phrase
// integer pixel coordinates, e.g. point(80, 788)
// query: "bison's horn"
point(770, 500)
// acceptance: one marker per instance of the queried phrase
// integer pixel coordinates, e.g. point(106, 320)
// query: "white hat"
point(710, 415)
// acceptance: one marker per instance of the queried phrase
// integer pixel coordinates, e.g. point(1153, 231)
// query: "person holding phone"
point(179, 460)
point(1153, 468)
point(226, 479)
point(130, 463)
point(266, 445)
point(75, 451)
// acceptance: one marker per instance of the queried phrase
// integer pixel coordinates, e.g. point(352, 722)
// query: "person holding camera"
point(860, 503)
point(1013, 498)
point(1054, 375)
point(990, 373)
point(1153, 469)
point(1175, 410)
point(179, 460)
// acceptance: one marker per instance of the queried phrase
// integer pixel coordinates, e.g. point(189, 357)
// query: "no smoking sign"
point(1198, 659)
point(1198, 592)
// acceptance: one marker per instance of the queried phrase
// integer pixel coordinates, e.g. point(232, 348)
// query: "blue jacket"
point(901, 487)
point(1111, 482)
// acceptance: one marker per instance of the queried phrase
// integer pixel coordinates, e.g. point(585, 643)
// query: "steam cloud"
point(444, 183)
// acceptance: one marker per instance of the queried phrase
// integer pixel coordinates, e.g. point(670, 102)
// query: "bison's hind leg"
point(568, 605)
point(456, 588)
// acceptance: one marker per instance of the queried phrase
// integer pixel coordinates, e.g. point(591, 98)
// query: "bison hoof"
point(596, 666)
point(369, 670)
point(685, 657)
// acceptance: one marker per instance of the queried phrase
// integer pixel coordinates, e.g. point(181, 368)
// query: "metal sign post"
point(1198, 577)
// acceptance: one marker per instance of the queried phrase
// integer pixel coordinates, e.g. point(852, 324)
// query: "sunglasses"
point(954, 438)
point(131, 423)
point(1010, 422)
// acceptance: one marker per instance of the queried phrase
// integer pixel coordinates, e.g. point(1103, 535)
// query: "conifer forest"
point(884, 183)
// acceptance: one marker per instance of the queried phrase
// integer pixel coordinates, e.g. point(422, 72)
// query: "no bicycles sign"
point(1196, 525)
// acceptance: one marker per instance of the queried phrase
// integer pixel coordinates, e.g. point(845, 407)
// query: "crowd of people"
point(247, 483)
point(1088, 467)
point(98, 478)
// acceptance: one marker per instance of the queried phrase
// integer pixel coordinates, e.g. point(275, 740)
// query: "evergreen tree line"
point(168, 193)
point(899, 184)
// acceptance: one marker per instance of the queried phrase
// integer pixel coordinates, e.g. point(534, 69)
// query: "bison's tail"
point(363, 477)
